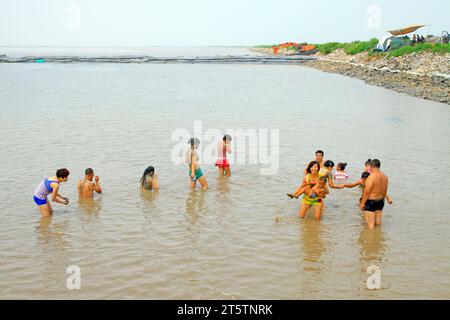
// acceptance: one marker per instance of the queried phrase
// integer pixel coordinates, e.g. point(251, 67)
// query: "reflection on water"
point(372, 246)
point(313, 246)
point(51, 235)
point(90, 207)
point(149, 197)
point(54, 244)
point(195, 205)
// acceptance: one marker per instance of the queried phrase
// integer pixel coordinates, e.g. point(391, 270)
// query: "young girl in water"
point(224, 147)
point(149, 179)
point(48, 186)
point(195, 173)
point(341, 176)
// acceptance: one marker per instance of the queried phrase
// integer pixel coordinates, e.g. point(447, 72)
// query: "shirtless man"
point(319, 158)
point(87, 187)
point(375, 191)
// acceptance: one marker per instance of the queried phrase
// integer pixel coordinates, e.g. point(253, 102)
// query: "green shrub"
point(351, 48)
point(360, 46)
point(329, 47)
point(421, 47)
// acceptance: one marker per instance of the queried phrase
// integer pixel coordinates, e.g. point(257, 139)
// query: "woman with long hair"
point(149, 179)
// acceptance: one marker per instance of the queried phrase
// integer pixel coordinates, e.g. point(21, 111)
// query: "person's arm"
point(354, 184)
point(228, 147)
point(79, 186)
point(56, 197)
point(96, 186)
point(193, 162)
point(155, 184)
point(330, 181)
point(367, 191)
point(385, 191)
point(388, 199)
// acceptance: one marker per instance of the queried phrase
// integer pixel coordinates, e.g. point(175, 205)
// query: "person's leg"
point(220, 171)
point(203, 183)
point(49, 207)
point(369, 216)
point(318, 211)
point(378, 216)
point(45, 210)
point(303, 208)
point(228, 171)
point(193, 184)
point(298, 192)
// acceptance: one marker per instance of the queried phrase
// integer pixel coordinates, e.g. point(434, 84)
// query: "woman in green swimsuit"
point(195, 173)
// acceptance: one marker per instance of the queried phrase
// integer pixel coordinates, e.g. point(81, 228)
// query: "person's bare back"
point(86, 187)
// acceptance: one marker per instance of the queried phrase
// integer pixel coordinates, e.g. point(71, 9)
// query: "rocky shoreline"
point(425, 75)
point(435, 87)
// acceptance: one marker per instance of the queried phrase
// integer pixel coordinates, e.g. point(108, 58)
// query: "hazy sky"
point(210, 22)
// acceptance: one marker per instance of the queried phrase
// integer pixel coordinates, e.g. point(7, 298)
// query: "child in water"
point(367, 166)
point(319, 190)
point(313, 197)
point(149, 179)
point(341, 176)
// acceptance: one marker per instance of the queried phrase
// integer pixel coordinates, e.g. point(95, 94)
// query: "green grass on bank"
point(355, 47)
point(421, 47)
point(350, 48)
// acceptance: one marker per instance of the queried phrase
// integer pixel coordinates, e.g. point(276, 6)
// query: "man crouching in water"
point(375, 191)
point(87, 187)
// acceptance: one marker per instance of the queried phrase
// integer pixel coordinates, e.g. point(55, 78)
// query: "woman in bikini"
point(224, 147)
point(192, 158)
point(317, 185)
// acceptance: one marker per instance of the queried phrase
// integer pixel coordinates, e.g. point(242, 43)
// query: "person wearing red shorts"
point(224, 147)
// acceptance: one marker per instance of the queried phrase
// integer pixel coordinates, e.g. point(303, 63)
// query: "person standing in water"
point(367, 166)
point(361, 183)
point(325, 171)
point(192, 158)
point(341, 176)
point(224, 147)
point(314, 197)
point(375, 191)
point(319, 160)
point(149, 179)
point(48, 186)
point(87, 186)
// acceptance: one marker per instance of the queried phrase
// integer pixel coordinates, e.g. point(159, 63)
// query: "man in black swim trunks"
point(375, 191)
